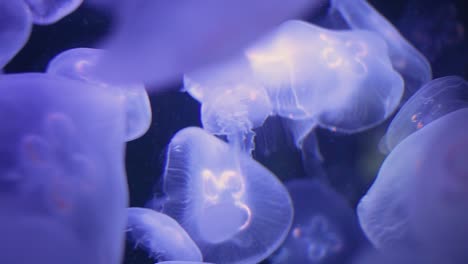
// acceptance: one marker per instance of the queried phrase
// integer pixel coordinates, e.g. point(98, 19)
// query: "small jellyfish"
point(324, 230)
point(63, 190)
point(45, 12)
point(80, 63)
point(406, 59)
point(161, 236)
point(434, 100)
point(232, 207)
point(16, 24)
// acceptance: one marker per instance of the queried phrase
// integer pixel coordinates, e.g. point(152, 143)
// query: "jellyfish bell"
point(46, 12)
point(406, 59)
point(232, 207)
point(80, 64)
point(61, 171)
point(434, 100)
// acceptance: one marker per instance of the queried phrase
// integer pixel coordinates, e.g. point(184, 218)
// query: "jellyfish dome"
point(160, 235)
point(232, 207)
point(63, 190)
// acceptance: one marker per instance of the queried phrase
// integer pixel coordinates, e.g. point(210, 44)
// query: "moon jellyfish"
point(340, 80)
point(324, 230)
point(161, 235)
point(232, 207)
point(143, 49)
point(406, 59)
point(427, 168)
point(434, 100)
point(15, 21)
point(45, 12)
point(80, 63)
point(63, 190)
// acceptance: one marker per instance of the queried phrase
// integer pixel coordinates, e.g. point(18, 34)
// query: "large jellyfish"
point(63, 190)
point(325, 228)
point(434, 100)
point(45, 12)
point(406, 59)
point(80, 63)
point(232, 207)
point(161, 236)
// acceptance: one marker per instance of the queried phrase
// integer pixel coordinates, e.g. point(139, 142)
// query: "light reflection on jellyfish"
point(232, 207)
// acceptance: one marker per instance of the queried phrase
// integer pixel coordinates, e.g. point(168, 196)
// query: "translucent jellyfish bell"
point(324, 230)
point(340, 80)
point(406, 59)
point(45, 12)
point(434, 100)
point(15, 21)
point(232, 207)
point(161, 236)
point(80, 64)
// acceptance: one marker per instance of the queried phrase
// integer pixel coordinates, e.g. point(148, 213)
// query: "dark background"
point(437, 28)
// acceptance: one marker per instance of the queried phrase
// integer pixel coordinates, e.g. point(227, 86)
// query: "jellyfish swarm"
point(61, 171)
point(425, 173)
point(232, 207)
point(406, 59)
point(160, 235)
point(434, 100)
point(325, 228)
point(340, 80)
point(45, 12)
point(15, 19)
point(80, 64)
point(143, 48)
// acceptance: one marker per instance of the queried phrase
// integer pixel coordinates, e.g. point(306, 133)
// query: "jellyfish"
point(325, 228)
point(434, 100)
point(161, 235)
point(63, 190)
point(421, 183)
point(15, 19)
point(80, 63)
point(45, 12)
point(143, 49)
point(406, 59)
point(234, 209)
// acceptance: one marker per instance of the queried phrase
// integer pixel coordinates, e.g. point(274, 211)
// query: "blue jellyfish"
point(325, 228)
point(15, 21)
point(160, 235)
point(232, 207)
point(63, 190)
point(406, 59)
point(80, 63)
point(434, 100)
point(45, 12)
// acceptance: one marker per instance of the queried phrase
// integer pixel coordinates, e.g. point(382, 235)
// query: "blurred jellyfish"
point(339, 80)
point(406, 59)
point(80, 63)
point(434, 100)
point(159, 41)
point(15, 21)
point(161, 236)
point(45, 12)
point(324, 230)
point(63, 191)
point(232, 207)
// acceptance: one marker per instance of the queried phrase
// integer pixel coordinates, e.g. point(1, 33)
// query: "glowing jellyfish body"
point(340, 80)
point(406, 59)
point(324, 230)
point(63, 190)
point(422, 174)
point(45, 12)
point(232, 207)
point(143, 49)
point(80, 63)
point(15, 21)
point(161, 236)
point(434, 100)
